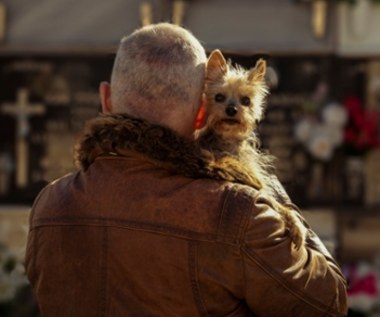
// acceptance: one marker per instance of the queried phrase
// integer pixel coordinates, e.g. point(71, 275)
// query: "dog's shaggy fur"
point(234, 106)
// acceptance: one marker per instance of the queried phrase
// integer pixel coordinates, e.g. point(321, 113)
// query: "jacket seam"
point(220, 234)
point(331, 310)
point(237, 236)
point(193, 271)
point(34, 253)
point(245, 225)
point(107, 222)
point(245, 286)
point(302, 296)
point(103, 273)
point(36, 200)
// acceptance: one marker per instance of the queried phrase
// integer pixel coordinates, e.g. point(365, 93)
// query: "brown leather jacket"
point(128, 237)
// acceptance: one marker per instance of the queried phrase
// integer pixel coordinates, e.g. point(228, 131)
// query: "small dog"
point(234, 106)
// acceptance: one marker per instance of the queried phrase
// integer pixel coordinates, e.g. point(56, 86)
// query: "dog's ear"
point(216, 65)
point(258, 73)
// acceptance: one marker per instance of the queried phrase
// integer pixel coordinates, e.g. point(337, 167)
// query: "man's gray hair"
point(158, 69)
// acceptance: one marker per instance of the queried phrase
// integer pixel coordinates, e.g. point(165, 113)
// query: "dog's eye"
point(220, 97)
point(245, 101)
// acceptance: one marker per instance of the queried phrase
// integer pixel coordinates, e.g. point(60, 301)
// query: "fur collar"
point(119, 134)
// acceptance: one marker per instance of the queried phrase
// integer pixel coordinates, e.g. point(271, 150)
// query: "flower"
point(321, 134)
point(335, 115)
point(361, 133)
point(364, 286)
point(321, 147)
point(303, 130)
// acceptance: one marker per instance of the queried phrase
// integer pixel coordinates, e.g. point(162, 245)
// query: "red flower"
point(362, 129)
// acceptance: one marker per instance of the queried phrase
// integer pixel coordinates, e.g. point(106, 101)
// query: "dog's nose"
point(231, 110)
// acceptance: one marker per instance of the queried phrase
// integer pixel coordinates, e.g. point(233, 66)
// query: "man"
point(126, 236)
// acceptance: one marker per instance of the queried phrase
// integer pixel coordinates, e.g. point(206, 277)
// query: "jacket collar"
point(119, 134)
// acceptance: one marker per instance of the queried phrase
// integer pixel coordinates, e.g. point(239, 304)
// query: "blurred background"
point(322, 120)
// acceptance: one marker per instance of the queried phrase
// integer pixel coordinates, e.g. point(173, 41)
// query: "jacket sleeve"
point(283, 281)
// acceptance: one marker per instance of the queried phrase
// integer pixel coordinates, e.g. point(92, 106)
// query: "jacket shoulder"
point(237, 207)
point(48, 197)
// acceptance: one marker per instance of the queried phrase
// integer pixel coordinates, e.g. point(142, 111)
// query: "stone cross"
point(22, 110)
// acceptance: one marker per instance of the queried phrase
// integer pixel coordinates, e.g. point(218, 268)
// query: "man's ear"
point(216, 65)
point(200, 118)
point(105, 96)
point(258, 73)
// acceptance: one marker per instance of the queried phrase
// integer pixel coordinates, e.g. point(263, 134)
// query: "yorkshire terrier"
point(234, 106)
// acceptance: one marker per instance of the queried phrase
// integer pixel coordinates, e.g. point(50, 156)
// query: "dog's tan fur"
point(234, 105)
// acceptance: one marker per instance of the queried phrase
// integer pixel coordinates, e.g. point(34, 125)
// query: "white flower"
point(334, 134)
point(320, 145)
point(303, 130)
point(335, 115)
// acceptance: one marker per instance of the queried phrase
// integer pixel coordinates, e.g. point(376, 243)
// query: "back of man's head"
point(158, 75)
